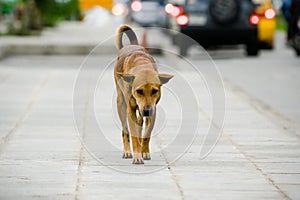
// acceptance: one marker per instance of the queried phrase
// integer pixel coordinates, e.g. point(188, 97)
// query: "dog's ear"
point(164, 78)
point(126, 77)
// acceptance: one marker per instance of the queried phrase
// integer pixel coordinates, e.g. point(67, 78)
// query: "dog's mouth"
point(148, 111)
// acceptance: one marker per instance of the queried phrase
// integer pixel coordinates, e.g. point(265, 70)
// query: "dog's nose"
point(147, 111)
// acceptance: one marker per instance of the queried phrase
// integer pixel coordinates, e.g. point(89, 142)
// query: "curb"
point(61, 49)
point(3, 52)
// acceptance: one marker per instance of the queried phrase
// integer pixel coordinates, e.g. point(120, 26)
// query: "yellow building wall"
point(87, 4)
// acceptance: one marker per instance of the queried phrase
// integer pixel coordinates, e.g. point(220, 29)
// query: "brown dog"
point(138, 91)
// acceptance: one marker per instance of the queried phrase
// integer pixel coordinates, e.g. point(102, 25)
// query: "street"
point(233, 139)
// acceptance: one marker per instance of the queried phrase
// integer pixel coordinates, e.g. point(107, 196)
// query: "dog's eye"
point(140, 92)
point(154, 91)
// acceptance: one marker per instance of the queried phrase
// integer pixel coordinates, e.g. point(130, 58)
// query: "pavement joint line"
point(174, 178)
point(172, 173)
point(79, 173)
point(265, 175)
point(282, 122)
point(82, 147)
point(4, 141)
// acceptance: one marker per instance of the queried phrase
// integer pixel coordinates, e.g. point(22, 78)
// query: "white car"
point(149, 13)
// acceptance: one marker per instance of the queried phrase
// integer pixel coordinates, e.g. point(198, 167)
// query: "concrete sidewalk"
point(41, 156)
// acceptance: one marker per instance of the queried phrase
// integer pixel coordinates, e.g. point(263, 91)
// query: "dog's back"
point(128, 54)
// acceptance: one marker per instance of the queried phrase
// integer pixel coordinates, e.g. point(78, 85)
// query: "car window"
point(196, 5)
point(159, 2)
point(194, 2)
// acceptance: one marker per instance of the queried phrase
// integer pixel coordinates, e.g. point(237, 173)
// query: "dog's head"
point(146, 89)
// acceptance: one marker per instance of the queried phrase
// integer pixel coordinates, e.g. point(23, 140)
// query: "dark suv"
point(217, 22)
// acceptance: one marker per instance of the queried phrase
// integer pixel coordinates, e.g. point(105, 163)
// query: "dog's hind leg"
point(123, 118)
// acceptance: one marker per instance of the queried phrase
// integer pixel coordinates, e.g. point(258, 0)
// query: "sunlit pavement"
point(42, 154)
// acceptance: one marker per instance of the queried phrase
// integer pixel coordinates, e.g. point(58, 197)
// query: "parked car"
point(148, 13)
point(295, 26)
point(216, 22)
point(266, 24)
point(296, 40)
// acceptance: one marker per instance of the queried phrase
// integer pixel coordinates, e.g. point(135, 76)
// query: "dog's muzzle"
point(148, 111)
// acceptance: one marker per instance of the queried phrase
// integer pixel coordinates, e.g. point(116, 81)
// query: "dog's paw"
point(146, 156)
point(137, 159)
point(127, 155)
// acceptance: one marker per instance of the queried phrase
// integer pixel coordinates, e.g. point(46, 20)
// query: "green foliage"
point(24, 18)
point(53, 11)
point(281, 23)
point(7, 6)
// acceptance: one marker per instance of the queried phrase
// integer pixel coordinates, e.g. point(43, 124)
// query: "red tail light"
point(136, 6)
point(270, 13)
point(176, 11)
point(254, 19)
point(182, 20)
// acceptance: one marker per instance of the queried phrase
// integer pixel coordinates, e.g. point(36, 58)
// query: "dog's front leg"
point(122, 108)
point(136, 125)
point(146, 138)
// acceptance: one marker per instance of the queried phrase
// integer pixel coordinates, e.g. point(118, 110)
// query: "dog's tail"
point(130, 34)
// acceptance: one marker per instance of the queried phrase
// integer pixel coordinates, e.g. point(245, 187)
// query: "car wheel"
point(267, 46)
point(224, 11)
point(296, 43)
point(252, 50)
point(270, 47)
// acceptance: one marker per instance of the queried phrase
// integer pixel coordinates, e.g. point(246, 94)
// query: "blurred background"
point(230, 30)
point(249, 22)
